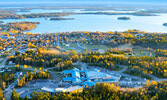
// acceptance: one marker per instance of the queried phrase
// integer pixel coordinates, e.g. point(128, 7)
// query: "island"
point(164, 24)
point(1, 22)
point(123, 18)
point(16, 27)
point(60, 18)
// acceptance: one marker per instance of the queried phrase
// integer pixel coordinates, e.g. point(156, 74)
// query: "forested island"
point(164, 24)
point(123, 18)
point(34, 15)
point(1, 22)
point(60, 18)
point(15, 27)
point(119, 13)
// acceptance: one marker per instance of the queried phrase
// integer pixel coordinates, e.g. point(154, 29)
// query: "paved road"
point(2, 65)
point(10, 87)
point(156, 78)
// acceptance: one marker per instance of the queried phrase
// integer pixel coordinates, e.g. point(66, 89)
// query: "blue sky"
point(151, 1)
point(96, 1)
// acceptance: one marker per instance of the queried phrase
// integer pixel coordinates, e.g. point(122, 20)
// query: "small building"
point(19, 74)
point(67, 45)
point(62, 88)
point(74, 89)
point(11, 63)
point(2, 70)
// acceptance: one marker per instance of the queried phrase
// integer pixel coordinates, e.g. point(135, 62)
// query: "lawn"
point(96, 46)
point(50, 52)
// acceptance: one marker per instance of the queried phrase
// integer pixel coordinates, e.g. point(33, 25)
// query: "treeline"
point(36, 58)
point(6, 79)
point(32, 76)
point(1, 95)
point(21, 26)
point(34, 15)
point(134, 37)
point(64, 65)
point(161, 53)
point(104, 91)
point(144, 64)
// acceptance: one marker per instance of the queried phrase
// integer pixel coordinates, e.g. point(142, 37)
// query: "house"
point(11, 63)
point(2, 70)
point(19, 74)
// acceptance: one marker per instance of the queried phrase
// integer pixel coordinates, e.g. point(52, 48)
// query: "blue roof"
point(88, 83)
point(74, 80)
point(108, 79)
point(75, 72)
point(75, 75)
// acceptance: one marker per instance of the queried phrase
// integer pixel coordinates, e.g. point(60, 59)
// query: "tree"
point(147, 82)
point(15, 95)
point(4, 85)
point(1, 94)
point(26, 98)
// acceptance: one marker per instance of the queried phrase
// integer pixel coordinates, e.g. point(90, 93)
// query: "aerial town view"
point(83, 50)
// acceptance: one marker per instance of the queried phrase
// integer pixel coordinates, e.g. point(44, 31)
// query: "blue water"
point(69, 10)
point(99, 23)
point(49, 11)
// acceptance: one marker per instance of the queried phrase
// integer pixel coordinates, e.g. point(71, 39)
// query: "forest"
point(137, 65)
point(105, 91)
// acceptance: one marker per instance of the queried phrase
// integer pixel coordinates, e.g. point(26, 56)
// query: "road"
point(2, 65)
point(10, 87)
point(156, 78)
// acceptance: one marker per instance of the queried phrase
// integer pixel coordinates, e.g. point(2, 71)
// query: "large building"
point(89, 78)
point(75, 76)
point(102, 77)
point(75, 80)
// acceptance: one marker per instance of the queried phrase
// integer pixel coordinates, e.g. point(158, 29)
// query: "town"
point(70, 62)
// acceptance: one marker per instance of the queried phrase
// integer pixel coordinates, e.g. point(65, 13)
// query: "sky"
point(149, 1)
point(83, 1)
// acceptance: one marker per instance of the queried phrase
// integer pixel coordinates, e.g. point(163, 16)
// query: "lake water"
point(69, 10)
point(97, 23)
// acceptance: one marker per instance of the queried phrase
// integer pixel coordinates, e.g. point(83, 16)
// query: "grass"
point(71, 47)
point(96, 46)
point(21, 69)
point(136, 50)
point(138, 74)
point(69, 68)
point(50, 52)
point(118, 69)
point(89, 46)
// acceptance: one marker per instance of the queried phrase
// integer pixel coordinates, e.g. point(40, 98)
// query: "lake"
point(96, 22)
point(69, 10)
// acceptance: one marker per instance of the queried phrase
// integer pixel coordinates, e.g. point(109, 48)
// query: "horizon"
point(148, 2)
